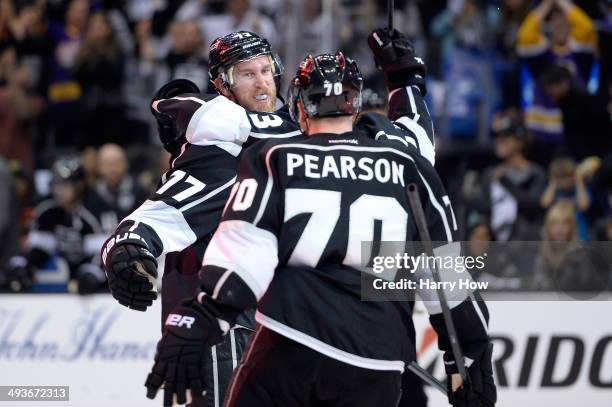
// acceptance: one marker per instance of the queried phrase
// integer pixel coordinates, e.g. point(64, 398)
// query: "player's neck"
point(334, 125)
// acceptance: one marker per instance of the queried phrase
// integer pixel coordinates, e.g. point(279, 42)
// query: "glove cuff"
point(122, 239)
point(405, 77)
point(192, 320)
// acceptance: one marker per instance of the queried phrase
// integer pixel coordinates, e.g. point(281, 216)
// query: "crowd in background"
point(520, 92)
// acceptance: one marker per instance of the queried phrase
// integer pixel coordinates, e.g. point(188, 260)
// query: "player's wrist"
point(405, 78)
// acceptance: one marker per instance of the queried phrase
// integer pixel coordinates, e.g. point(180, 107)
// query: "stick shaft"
point(419, 218)
point(426, 377)
point(390, 7)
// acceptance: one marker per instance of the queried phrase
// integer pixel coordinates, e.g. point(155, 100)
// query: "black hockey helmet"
point(171, 138)
point(327, 85)
point(67, 169)
point(236, 47)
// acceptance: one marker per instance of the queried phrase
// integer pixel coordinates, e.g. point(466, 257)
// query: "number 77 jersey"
point(292, 232)
point(186, 208)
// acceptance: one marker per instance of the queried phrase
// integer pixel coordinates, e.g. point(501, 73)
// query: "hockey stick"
point(419, 218)
point(390, 7)
point(426, 377)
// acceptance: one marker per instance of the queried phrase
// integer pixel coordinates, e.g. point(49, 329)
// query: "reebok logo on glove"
point(180, 320)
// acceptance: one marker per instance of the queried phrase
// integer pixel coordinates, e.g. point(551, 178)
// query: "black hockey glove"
point(131, 270)
point(166, 123)
point(181, 353)
point(394, 54)
point(481, 390)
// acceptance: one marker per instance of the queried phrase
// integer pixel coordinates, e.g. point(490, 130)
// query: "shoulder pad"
point(272, 125)
point(219, 122)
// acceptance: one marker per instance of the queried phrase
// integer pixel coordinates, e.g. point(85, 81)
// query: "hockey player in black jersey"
point(290, 243)
point(63, 228)
point(205, 135)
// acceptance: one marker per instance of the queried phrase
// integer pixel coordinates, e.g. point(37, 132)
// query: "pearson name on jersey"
point(345, 166)
point(293, 237)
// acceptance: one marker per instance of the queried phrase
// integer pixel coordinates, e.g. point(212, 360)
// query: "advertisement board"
point(547, 354)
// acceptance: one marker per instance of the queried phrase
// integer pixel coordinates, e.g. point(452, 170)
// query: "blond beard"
point(269, 108)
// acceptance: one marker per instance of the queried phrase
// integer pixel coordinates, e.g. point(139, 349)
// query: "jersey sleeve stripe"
point(439, 208)
point(208, 195)
point(412, 104)
point(426, 147)
point(476, 306)
point(220, 283)
point(168, 223)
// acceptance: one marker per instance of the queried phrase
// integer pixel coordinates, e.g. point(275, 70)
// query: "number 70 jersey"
point(292, 231)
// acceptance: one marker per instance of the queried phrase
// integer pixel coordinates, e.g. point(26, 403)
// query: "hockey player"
point(178, 111)
point(205, 135)
point(63, 227)
point(290, 243)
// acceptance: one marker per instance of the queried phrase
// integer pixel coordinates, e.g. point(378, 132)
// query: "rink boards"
point(547, 353)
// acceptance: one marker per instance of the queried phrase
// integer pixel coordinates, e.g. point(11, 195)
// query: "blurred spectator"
point(586, 123)
point(29, 37)
point(89, 162)
point(239, 15)
point(19, 106)
point(9, 219)
point(499, 268)
point(513, 13)
point(561, 263)
point(374, 99)
point(116, 193)
point(566, 183)
point(64, 228)
point(465, 29)
point(25, 195)
point(573, 40)
point(604, 33)
point(510, 191)
point(603, 229)
point(98, 68)
point(601, 183)
point(63, 91)
point(149, 174)
point(186, 57)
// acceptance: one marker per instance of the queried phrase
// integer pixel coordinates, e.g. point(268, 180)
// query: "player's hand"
point(132, 272)
point(394, 54)
point(181, 354)
point(481, 390)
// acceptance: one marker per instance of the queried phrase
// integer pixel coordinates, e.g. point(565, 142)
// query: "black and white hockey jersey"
point(186, 208)
point(292, 232)
point(74, 235)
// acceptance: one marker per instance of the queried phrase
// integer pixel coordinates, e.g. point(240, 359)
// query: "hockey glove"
point(131, 270)
point(481, 390)
point(394, 54)
point(181, 353)
point(170, 137)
